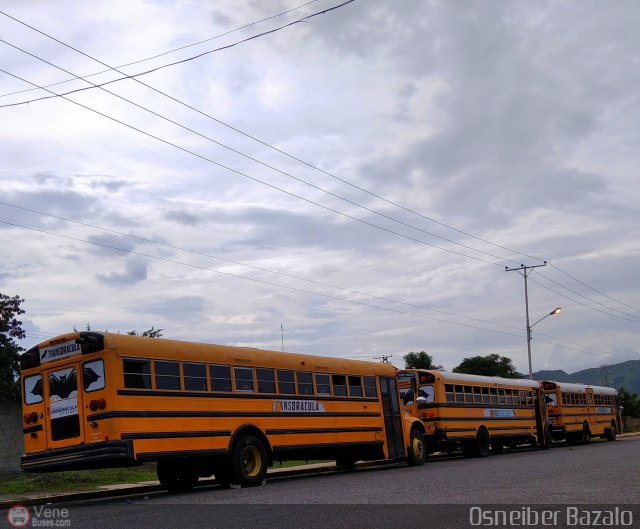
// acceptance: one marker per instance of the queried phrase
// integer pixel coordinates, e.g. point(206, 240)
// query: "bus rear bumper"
point(95, 455)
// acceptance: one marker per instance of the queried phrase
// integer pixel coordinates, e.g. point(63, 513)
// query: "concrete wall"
point(11, 441)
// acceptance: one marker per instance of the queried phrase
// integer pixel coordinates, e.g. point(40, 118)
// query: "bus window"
point(448, 391)
point(339, 385)
point(493, 392)
point(220, 378)
point(485, 395)
point(33, 389)
point(459, 394)
point(266, 380)
point(355, 386)
point(286, 385)
point(523, 398)
point(508, 397)
point(370, 389)
point(137, 373)
point(195, 376)
point(244, 378)
point(167, 374)
point(305, 383)
point(63, 393)
point(323, 385)
point(468, 396)
point(93, 375)
point(426, 394)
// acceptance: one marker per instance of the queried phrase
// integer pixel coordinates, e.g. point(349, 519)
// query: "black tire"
point(478, 447)
point(613, 432)
point(586, 434)
point(417, 449)
point(482, 443)
point(497, 447)
point(248, 461)
point(547, 437)
point(346, 464)
point(176, 476)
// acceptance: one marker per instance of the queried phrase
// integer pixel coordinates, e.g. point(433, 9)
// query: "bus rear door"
point(63, 402)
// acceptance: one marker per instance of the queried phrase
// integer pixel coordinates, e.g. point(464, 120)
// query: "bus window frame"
point(104, 375)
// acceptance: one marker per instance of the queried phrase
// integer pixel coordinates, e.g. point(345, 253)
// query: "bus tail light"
point(33, 416)
point(99, 404)
point(27, 418)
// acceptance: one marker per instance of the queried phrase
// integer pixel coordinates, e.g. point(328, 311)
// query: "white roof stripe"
point(582, 388)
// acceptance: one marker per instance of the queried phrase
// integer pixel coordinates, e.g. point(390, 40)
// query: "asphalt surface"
point(600, 475)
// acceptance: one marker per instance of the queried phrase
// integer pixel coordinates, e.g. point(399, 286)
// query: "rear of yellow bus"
point(63, 380)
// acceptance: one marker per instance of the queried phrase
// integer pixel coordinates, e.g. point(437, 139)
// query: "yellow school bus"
point(579, 412)
point(475, 413)
point(97, 399)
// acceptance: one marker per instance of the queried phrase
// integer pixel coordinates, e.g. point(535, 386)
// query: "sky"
point(350, 184)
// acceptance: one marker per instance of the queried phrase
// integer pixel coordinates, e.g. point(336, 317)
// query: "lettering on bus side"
point(63, 350)
point(289, 406)
point(495, 412)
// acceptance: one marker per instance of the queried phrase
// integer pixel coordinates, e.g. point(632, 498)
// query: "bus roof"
point(161, 348)
point(570, 387)
point(460, 378)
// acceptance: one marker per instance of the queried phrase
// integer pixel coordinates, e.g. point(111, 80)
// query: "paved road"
point(443, 490)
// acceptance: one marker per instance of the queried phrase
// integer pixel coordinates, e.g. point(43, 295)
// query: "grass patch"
point(79, 480)
point(27, 483)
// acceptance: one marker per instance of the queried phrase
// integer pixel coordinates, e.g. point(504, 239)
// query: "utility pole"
point(604, 375)
point(524, 271)
point(383, 358)
point(282, 335)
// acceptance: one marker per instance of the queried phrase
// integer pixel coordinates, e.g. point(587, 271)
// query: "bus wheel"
point(176, 476)
point(586, 433)
point(417, 449)
point(547, 438)
point(249, 461)
point(497, 447)
point(346, 464)
point(482, 443)
point(613, 432)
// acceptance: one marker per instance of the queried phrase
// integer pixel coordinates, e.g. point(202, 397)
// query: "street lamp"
point(552, 313)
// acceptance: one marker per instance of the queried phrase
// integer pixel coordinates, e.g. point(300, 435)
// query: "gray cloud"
point(182, 217)
point(135, 272)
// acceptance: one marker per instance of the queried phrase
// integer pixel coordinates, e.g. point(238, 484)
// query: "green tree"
point(421, 360)
point(10, 331)
point(492, 365)
point(630, 405)
point(150, 333)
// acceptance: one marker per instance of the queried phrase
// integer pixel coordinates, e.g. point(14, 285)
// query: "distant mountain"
point(625, 374)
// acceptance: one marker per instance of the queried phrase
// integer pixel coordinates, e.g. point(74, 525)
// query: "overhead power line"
point(594, 289)
point(269, 166)
point(253, 279)
point(245, 26)
point(259, 268)
point(188, 59)
point(587, 297)
point(316, 168)
point(581, 303)
point(245, 175)
point(299, 290)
